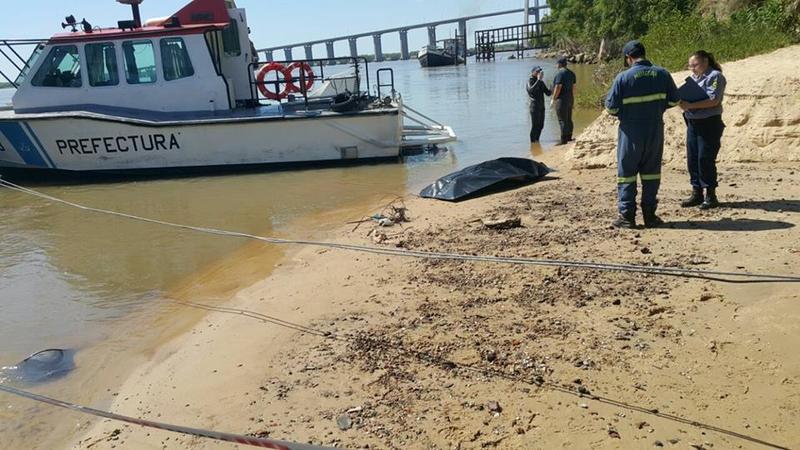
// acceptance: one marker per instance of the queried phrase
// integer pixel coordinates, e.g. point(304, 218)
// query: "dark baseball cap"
point(562, 61)
point(634, 49)
point(536, 69)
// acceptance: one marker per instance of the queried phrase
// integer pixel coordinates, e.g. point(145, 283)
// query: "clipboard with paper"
point(692, 92)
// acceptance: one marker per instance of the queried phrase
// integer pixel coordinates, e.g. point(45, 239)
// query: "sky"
point(273, 22)
point(277, 22)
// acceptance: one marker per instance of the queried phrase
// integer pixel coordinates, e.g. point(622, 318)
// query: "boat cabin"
point(198, 59)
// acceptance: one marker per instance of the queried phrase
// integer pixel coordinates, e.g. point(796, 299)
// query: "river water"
point(101, 285)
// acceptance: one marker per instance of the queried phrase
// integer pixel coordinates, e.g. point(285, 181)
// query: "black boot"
point(651, 220)
point(710, 201)
point(627, 221)
point(695, 200)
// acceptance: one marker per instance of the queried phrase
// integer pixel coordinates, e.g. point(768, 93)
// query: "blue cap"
point(562, 61)
point(536, 69)
point(634, 49)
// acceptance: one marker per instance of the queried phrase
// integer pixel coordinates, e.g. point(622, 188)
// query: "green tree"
point(586, 22)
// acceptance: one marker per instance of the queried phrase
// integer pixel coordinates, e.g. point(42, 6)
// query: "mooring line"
point(197, 432)
point(722, 276)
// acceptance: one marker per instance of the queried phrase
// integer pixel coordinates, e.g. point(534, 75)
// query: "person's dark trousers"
point(537, 122)
point(564, 113)
point(640, 149)
point(703, 141)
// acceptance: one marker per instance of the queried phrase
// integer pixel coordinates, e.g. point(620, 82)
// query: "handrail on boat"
point(405, 106)
point(390, 84)
point(318, 67)
point(17, 58)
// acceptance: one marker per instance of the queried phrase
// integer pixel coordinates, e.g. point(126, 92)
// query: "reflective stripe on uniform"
point(644, 98)
point(651, 177)
point(626, 180)
point(671, 104)
point(613, 111)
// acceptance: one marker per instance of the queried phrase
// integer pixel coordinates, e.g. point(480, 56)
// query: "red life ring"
point(281, 70)
point(309, 75)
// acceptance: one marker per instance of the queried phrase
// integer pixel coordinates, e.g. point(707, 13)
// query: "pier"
point(536, 11)
point(522, 37)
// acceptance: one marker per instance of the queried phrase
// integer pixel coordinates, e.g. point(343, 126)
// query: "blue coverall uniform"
point(639, 97)
point(704, 132)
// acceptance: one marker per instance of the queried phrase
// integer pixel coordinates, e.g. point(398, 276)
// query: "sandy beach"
point(357, 350)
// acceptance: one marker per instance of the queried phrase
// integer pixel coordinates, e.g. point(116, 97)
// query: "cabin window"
point(175, 59)
point(140, 62)
point(212, 40)
point(23, 74)
point(101, 62)
point(230, 39)
point(61, 68)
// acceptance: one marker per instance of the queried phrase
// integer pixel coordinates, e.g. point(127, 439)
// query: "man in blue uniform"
point(564, 98)
point(639, 97)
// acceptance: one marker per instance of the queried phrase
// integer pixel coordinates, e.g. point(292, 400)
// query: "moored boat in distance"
point(187, 93)
point(445, 53)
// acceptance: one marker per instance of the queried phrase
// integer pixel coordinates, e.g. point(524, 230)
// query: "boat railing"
point(379, 74)
point(321, 69)
point(10, 51)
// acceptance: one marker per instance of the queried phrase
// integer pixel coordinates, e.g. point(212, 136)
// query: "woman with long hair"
point(704, 130)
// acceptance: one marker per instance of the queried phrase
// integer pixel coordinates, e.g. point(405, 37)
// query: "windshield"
point(26, 69)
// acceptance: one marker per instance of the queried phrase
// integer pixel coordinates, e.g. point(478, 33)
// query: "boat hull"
point(431, 59)
point(81, 144)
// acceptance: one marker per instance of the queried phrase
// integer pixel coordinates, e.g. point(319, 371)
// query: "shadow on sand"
point(766, 205)
point(730, 225)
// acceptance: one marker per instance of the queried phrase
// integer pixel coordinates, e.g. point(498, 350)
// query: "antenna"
point(137, 17)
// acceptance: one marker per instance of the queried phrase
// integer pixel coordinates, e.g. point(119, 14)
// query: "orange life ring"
point(282, 71)
point(309, 75)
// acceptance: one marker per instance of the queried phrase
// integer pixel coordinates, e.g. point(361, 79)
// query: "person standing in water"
point(564, 98)
point(704, 129)
point(638, 98)
point(537, 89)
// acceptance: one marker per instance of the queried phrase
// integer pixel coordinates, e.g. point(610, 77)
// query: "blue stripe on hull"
point(26, 149)
point(39, 144)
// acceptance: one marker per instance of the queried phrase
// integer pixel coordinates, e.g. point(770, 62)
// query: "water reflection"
point(536, 149)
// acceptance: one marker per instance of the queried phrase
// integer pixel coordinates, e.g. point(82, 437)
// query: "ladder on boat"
point(422, 131)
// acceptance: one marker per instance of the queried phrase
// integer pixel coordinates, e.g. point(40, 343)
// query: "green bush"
point(749, 32)
point(593, 95)
point(676, 35)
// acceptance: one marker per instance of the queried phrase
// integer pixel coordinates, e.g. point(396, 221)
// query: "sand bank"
point(762, 114)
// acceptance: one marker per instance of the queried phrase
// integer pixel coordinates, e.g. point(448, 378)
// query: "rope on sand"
point(216, 435)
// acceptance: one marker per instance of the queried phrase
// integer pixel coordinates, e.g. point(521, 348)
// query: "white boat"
point(187, 93)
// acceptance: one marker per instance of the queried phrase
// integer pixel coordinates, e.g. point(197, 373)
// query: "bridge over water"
point(535, 11)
